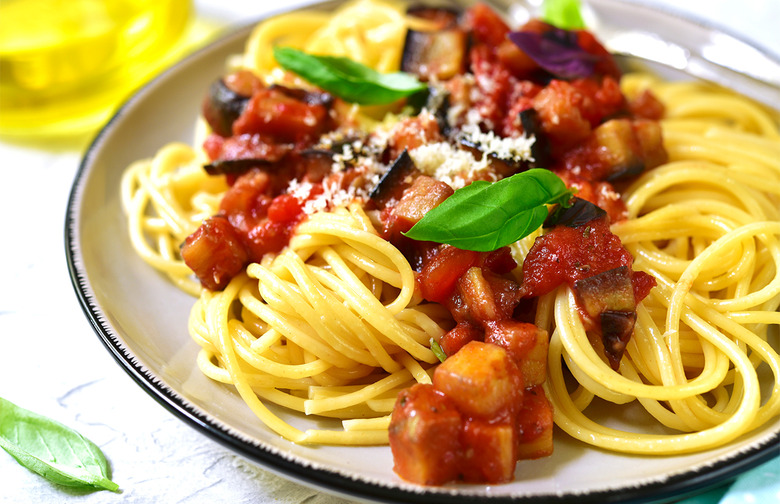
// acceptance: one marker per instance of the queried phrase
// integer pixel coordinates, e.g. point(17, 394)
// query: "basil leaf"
point(52, 450)
point(556, 51)
point(563, 14)
point(485, 216)
point(348, 79)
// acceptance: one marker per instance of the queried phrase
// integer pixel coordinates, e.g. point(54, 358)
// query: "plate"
point(142, 319)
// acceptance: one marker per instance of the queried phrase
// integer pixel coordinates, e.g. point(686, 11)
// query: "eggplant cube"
point(610, 290)
point(481, 379)
point(435, 55)
point(424, 436)
point(490, 451)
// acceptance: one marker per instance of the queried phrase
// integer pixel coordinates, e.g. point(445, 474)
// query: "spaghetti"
point(706, 226)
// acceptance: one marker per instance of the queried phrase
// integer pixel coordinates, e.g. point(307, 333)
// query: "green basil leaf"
point(485, 216)
point(437, 350)
point(564, 14)
point(348, 79)
point(52, 450)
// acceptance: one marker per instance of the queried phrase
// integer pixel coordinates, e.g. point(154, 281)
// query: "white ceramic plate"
point(142, 319)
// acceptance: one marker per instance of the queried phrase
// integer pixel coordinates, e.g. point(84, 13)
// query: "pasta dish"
point(453, 234)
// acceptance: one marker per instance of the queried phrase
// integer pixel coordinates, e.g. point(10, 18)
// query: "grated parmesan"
point(443, 161)
point(456, 167)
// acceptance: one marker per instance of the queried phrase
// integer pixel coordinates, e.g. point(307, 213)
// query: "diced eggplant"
point(611, 290)
point(435, 55)
point(424, 194)
point(478, 295)
point(618, 149)
point(540, 149)
point(222, 106)
point(617, 140)
point(578, 214)
point(306, 96)
point(535, 425)
point(424, 435)
point(315, 164)
point(393, 182)
point(234, 166)
point(214, 252)
point(608, 298)
point(443, 17)
point(526, 344)
point(490, 451)
point(286, 115)
point(616, 330)
point(481, 380)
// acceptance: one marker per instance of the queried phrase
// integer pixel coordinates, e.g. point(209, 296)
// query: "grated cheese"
point(456, 167)
point(359, 154)
point(443, 161)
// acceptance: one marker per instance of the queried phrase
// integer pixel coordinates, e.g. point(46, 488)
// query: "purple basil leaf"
point(557, 52)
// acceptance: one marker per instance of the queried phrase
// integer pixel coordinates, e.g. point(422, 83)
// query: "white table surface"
point(52, 362)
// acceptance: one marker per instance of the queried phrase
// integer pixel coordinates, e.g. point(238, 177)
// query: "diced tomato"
point(499, 261)
point(463, 332)
point(213, 145)
point(440, 274)
point(495, 84)
point(643, 284)
point(285, 208)
point(214, 252)
point(576, 255)
point(424, 436)
point(566, 254)
point(267, 236)
point(601, 98)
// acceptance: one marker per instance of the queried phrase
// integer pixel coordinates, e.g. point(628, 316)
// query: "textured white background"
point(52, 362)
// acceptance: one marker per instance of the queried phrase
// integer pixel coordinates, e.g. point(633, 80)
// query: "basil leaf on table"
point(348, 79)
point(485, 216)
point(564, 14)
point(52, 450)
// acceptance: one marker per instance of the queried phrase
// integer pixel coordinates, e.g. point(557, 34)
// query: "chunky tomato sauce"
point(485, 409)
